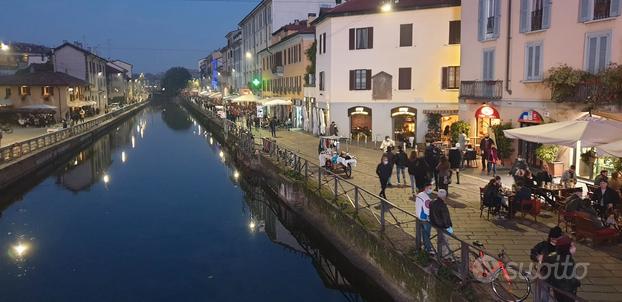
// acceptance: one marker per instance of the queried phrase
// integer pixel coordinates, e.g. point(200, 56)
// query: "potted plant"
point(588, 158)
point(548, 154)
point(504, 144)
point(457, 128)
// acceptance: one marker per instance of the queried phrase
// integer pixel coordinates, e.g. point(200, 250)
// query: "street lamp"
point(249, 55)
point(4, 47)
point(386, 7)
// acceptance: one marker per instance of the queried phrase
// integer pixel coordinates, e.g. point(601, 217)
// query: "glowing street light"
point(221, 154)
point(4, 47)
point(236, 174)
point(249, 55)
point(252, 225)
point(123, 156)
point(386, 7)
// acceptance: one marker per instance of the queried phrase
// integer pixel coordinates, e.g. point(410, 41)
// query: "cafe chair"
point(586, 228)
point(530, 207)
point(483, 206)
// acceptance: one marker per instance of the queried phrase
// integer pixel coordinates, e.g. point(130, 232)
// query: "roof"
point(262, 2)
point(297, 26)
point(45, 78)
point(80, 49)
point(358, 7)
point(310, 31)
point(29, 48)
point(113, 68)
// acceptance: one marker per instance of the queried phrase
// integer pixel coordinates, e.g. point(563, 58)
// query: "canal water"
point(154, 211)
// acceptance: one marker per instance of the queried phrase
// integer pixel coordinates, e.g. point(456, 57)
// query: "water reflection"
point(176, 117)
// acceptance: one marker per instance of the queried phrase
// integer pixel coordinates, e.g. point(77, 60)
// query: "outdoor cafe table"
point(555, 195)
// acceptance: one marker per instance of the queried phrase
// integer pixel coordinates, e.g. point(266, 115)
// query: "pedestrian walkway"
point(516, 236)
point(21, 134)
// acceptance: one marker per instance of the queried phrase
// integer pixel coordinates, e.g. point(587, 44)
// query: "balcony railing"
point(536, 20)
point(481, 89)
point(602, 9)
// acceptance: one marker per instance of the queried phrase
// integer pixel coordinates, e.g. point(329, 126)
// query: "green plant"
point(562, 80)
point(547, 153)
point(588, 156)
point(611, 79)
point(617, 164)
point(457, 128)
point(434, 127)
point(310, 53)
point(504, 144)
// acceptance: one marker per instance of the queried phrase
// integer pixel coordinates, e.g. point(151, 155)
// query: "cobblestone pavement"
point(516, 236)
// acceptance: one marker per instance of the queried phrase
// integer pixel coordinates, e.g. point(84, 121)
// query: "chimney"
point(310, 18)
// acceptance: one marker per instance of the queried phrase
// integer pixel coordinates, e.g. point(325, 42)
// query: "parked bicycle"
point(508, 283)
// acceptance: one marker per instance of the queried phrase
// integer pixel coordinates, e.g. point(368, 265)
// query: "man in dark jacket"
point(484, 146)
point(605, 198)
point(401, 162)
point(391, 157)
point(455, 161)
point(384, 170)
point(544, 248)
point(440, 219)
point(420, 169)
point(432, 155)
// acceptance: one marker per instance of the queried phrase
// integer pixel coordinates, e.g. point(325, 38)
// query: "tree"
point(174, 80)
point(310, 53)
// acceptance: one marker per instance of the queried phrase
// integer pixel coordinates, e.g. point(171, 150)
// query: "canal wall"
point(33, 163)
point(381, 259)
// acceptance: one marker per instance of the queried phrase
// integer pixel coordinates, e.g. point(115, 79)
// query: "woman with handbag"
point(493, 158)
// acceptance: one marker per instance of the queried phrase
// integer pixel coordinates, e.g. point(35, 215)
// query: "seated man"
point(522, 200)
point(605, 198)
point(492, 195)
point(602, 176)
point(543, 176)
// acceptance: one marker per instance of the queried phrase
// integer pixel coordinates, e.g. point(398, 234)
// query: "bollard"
point(382, 215)
point(336, 184)
point(464, 256)
point(356, 199)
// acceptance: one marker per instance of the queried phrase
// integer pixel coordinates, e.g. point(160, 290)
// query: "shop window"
point(7, 93)
point(404, 124)
point(24, 90)
point(360, 123)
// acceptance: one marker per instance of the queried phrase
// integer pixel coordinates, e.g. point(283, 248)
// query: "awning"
point(614, 149)
point(404, 110)
point(443, 112)
point(77, 104)
point(591, 131)
point(276, 101)
point(247, 98)
point(530, 116)
point(487, 112)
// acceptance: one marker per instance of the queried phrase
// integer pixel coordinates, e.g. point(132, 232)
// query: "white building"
point(233, 60)
point(379, 73)
point(16, 55)
point(83, 64)
point(257, 27)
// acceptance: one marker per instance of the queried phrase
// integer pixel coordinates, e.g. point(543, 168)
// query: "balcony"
point(602, 9)
point(277, 70)
point(536, 20)
point(481, 89)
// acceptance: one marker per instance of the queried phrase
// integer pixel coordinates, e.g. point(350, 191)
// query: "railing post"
point(464, 256)
point(306, 170)
point(356, 199)
point(418, 237)
point(319, 177)
point(382, 220)
point(336, 185)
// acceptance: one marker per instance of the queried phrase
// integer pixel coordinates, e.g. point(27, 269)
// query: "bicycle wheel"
point(515, 286)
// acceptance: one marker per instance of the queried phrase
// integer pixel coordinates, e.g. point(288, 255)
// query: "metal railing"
point(348, 196)
point(20, 149)
point(481, 89)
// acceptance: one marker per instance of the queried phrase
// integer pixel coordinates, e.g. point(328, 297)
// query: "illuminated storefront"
point(360, 123)
point(486, 116)
point(404, 120)
point(527, 150)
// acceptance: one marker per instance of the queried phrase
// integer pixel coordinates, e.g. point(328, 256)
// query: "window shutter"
point(324, 44)
point(480, 21)
point(485, 66)
point(614, 8)
point(603, 61)
point(491, 65)
point(319, 45)
point(546, 14)
point(591, 54)
point(406, 35)
point(529, 62)
point(352, 79)
point(537, 59)
point(42, 90)
point(368, 79)
point(352, 34)
point(584, 11)
point(497, 18)
point(405, 78)
point(524, 16)
point(370, 37)
point(454, 32)
point(444, 83)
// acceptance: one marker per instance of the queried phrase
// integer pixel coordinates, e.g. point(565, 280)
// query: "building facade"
point(381, 73)
point(117, 80)
point(257, 28)
point(284, 66)
point(503, 75)
point(16, 56)
point(83, 64)
point(232, 60)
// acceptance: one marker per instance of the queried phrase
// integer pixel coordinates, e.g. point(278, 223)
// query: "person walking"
point(615, 183)
point(432, 155)
point(485, 145)
point(386, 143)
point(440, 219)
point(401, 163)
point(462, 140)
point(384, 171)
point(391, 157)
point(455, 160)
point(412, 172)
point(422, 210)
point(443, 170)
point(493, 158)
point(272, 125)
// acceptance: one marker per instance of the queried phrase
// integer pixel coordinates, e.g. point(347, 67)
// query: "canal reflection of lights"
point(252, 225)
point(106, 178)
point(236, 174)
point(133, 142)
point(123, 158)
point(137, 128)
point(211, 141)
point(221, 154)
point(75, 162)
point(19, 250)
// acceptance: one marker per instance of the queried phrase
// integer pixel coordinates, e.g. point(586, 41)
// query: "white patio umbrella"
point(614, 149)
point(277, 102)
point(247, 98)
point(591, 131)
point(6, 102)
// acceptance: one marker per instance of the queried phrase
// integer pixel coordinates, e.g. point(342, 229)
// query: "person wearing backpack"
point(440, 219)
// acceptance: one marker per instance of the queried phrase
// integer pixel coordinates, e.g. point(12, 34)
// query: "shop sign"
point(530, 116)
point(359, 111)
point(487, 112)
point(260, 111)
point(410, 111)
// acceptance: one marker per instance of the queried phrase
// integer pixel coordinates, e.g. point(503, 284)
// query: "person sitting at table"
point(569, 175)
point(576, 203)
point(522, 200)
point(493, 197)
point(601, 176)
point(543, 176)
point(615, 183)
point(605, 198)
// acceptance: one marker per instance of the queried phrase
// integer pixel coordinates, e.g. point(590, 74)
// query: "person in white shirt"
point(422, 210)
point(386, 143)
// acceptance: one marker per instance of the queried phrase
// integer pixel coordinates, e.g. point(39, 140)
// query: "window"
point(361, 38)
point(47, 90)
point(451, 77)
point(324, 44)
point(533, 61)
point(488, 73)
point(322, 87)
point(597, 51)
point(319, 45)
point(454, 32)
point(7, 93)
point(405, 76)
point(489, 18)
point(406, 35)
point(24, 90)
point(598, 9)
point(535, 15)
point(360, 79)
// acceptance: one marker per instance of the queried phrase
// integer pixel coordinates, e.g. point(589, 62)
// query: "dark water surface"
point(152, 212)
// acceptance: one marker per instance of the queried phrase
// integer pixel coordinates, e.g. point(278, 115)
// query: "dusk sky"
point(151, 34)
